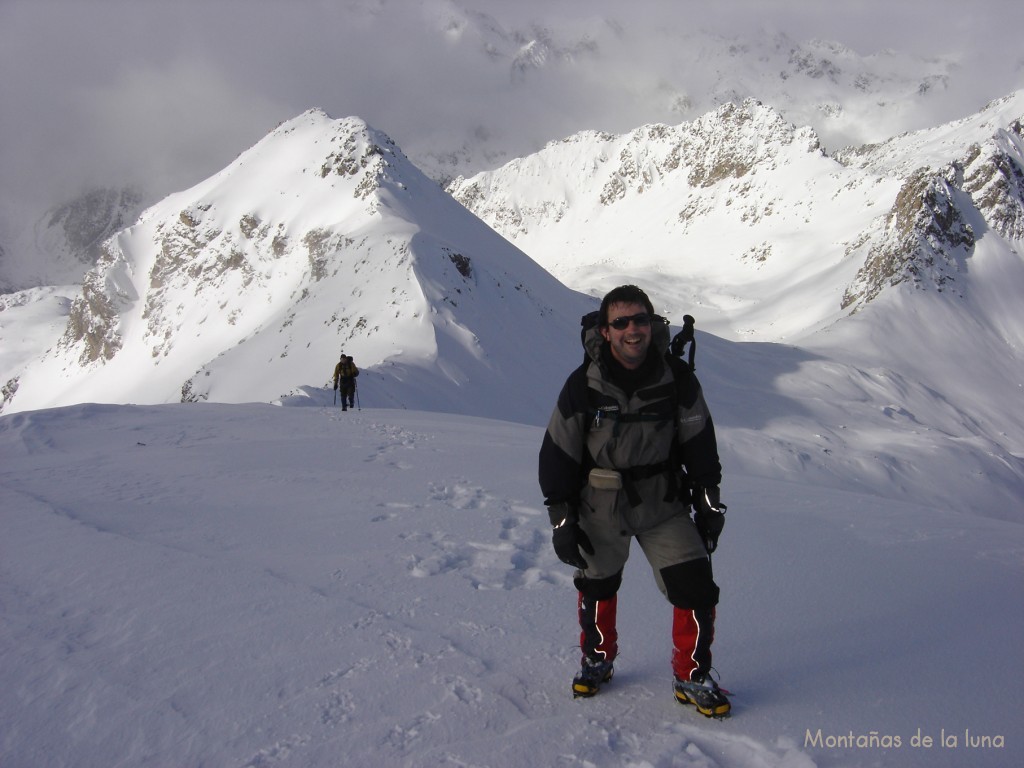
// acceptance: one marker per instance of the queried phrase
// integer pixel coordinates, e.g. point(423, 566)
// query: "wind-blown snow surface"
point(249, 585)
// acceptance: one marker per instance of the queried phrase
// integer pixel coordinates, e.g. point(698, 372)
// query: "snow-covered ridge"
point(742, 203)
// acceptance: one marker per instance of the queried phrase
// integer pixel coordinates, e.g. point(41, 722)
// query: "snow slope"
point(30, 322)
point(248, 585)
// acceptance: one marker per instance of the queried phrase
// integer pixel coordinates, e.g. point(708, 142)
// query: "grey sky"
point(172, 90)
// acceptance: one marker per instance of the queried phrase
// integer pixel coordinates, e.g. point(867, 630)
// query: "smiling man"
point(630, 446)
point(628, 333)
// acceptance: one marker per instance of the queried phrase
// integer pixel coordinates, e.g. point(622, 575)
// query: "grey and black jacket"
point(660, 439)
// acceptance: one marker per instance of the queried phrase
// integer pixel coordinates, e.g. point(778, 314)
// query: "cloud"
point(170, 124)
point(168, 92)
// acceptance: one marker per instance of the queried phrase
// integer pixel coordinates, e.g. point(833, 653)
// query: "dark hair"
point(624, 294)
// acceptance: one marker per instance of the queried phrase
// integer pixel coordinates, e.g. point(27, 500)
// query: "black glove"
point(568, 538)
point(709, 516)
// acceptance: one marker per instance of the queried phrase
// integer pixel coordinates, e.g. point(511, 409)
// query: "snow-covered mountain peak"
point(321, 237)
point(309, 170)
point(727, 143)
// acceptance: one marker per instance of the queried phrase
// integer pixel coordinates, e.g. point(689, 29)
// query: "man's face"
point(629, 345)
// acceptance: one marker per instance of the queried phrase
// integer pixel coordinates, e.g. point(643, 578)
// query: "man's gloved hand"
point(567, 537)
point(709, 515)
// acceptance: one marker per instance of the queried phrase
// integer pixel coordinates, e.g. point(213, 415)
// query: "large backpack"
point(682, 343)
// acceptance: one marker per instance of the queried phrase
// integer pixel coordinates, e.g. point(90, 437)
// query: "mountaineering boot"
point(593, 673)
point(704, 693)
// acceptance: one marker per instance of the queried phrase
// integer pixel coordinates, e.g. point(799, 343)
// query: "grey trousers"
point(667, 544)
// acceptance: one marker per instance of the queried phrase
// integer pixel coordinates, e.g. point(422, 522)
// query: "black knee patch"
point(598, 589)
point(690, 585)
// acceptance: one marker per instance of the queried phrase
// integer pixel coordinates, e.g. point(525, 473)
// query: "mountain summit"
point(321, 238)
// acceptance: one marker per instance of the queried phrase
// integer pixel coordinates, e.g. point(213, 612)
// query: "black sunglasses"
point(640, 320)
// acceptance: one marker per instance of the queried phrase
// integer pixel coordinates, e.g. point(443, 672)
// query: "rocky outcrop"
point(926, 238)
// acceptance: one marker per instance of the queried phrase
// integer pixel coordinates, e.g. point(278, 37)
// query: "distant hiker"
point(345, 373)
point(629, 447)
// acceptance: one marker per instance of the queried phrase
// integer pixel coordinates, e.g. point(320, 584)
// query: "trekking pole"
point(335, 395)
point(359, 405)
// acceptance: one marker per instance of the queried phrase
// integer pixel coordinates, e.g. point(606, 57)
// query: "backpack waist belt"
point(631, 474)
